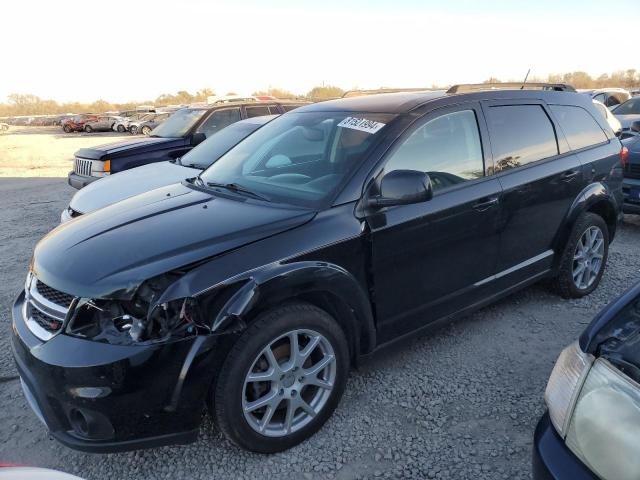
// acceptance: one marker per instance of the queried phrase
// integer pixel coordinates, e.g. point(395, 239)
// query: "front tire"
point(121, 128)
point(146, 130)
point(584, 257)
point(282, 379)
point(67, 129)
point(133, 130)
point(88, 129)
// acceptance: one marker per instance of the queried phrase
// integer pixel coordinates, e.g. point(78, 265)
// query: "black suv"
point(176, 136)
point(332, 230)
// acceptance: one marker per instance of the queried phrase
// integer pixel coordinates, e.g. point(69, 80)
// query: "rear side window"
point(288, 108)
point(579, 126)
point(447, 148)
point(218, 120)
point(520, 134)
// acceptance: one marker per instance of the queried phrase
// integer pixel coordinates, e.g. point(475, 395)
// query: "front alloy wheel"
point(289, 383)
point(282, 379)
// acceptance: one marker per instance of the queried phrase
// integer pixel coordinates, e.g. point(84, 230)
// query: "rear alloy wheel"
point(121, 128)
point(584, 258)
point(88, 129)
point(146, 130)
point(282, 379)
point(133, 130)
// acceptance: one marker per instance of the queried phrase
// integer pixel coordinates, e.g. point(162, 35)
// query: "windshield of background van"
point(178, 124)
point(300, 158)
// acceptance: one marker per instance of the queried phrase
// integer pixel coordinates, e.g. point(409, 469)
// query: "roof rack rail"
point(472, 87)
point(375, 91)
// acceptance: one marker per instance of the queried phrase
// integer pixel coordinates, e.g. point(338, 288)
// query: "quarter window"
point(520, 134)
point(447, 148)
point(579, 126)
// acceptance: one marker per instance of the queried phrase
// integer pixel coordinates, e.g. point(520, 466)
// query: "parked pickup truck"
point(173, 138)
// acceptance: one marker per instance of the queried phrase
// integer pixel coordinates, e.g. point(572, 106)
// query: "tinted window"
point(612, 100)
point(520, 134)
point(273, 110)
point(599, 97)
point(630, 107)
point(288, 108)
point(257, 111)
point(579, 126)
point(447, 148)
point(218, 120)
point(179, 123)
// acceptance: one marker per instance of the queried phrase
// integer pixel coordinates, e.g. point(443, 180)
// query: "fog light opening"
point(79, 422)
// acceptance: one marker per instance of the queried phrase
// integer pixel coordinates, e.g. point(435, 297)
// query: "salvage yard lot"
point(458, 403)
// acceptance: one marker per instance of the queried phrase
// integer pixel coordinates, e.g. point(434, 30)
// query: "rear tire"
point(146, 130)
point(133, 130)
point(292, 385)
point(584, 257)
point(121, 128)
point(88, 129)
point(67, 129)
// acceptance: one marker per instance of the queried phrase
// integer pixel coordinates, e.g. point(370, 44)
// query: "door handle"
point(570, 175)
point(485, 203)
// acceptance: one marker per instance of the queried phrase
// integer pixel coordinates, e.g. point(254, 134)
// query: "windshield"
point(178, 124)
point(300, 158)
point(218, 144)
point(630, 107)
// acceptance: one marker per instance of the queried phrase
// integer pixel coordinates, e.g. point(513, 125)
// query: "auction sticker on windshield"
point(361, 124)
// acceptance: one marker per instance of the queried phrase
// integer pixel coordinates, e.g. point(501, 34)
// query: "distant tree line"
point(27, 104)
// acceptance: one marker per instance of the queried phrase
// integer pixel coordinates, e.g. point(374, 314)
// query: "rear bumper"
point(104, 398)
point(552, 459)
point(80, 181)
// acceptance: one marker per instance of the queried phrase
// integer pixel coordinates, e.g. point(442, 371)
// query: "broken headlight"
point(139, 320)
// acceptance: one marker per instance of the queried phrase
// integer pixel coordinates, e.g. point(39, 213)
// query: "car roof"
point(255, 103)
point(405, 102)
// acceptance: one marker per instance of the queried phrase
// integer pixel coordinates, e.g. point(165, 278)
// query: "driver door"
point(434, 258)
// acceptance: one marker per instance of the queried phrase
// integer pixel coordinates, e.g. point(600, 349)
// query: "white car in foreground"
point(116, 187)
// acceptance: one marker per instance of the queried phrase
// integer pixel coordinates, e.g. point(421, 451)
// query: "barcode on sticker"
point(361, 124)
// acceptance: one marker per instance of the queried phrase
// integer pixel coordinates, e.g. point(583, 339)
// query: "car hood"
point(627, 120)
point(116, 187)
point(127, 147)
point(108, 253)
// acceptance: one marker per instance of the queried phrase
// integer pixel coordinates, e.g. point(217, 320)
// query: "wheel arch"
point(595, 198)
point(327, 286)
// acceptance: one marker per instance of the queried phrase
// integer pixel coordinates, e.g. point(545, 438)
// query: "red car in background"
point(77, 122)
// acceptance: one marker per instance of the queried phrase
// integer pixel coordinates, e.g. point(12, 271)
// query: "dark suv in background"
point(173, 138)
point(329, 232)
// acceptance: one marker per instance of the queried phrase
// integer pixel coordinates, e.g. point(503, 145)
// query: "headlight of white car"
point(564, 385)
point(604, 431)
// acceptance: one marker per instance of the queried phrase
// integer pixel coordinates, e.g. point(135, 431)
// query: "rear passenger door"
point(540, 178)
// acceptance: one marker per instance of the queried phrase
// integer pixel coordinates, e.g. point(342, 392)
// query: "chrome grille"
point(54, 295)
point(83, 167)
point(45, 308)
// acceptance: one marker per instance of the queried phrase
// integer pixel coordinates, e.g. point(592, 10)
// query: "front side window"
point(178, 124)
point(579, 126)
point(257, 111)
point(520, 134)
point(448, 148)
point(218, 120)
point(301, 158)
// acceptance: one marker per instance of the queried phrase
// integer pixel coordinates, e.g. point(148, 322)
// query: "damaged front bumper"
point(98, 397)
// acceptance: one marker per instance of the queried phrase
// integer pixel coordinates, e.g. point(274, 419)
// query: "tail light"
point(624, 157)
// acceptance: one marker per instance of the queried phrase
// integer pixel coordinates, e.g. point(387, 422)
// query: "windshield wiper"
point(234, 187)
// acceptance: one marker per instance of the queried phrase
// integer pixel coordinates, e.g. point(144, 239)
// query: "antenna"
point(525, 79)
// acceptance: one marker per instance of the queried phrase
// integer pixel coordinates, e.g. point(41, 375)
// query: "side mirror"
point(403, 187)
point(635, 126)
point(197, 138)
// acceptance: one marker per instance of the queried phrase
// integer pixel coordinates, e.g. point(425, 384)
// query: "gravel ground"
point(459, 403)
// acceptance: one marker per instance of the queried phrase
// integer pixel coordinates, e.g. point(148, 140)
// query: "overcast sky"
point(135, 50)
